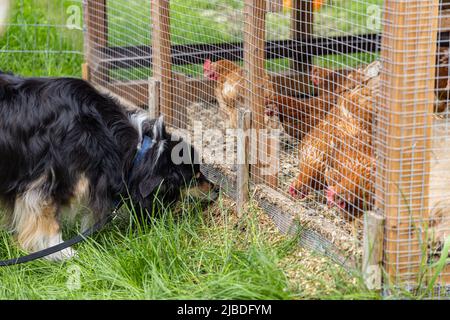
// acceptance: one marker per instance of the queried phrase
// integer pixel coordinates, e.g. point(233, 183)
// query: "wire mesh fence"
point(40, 37)
point(348, 103)
point(412, 101)
point(333, 108)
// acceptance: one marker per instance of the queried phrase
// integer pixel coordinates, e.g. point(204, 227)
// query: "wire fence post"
point(161, 55)
point(404, 129)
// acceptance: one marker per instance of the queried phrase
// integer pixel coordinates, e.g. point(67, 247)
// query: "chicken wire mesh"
point(348, 97)
point(349, 107)
point(41, 37)
point(411, 178)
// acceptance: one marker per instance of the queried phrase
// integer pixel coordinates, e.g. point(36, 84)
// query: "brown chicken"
point(329, 80)
point(339, 152)
point(335, 82)
point(314, 151)
point(359, 103)
point(337, 155)
point(230, 86)
point(344, 134)
point(351, 165)
point(350, 172)
point(298, 116)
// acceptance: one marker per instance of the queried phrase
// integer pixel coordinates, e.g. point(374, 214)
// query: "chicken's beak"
point(333, 200)
point(269, 112)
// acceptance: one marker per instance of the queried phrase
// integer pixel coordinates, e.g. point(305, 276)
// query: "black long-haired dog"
point(63, 142)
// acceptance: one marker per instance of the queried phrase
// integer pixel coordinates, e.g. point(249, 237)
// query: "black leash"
point(63, 245)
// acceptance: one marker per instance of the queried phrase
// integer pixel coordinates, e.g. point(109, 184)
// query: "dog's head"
point(169, 169)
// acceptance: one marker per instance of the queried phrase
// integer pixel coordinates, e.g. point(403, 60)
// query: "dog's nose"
point(214, 194)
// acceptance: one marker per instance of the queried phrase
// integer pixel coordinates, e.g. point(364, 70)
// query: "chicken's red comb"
point(330, 195)
point(316, 80)
point(207, 64)
point(292, 191)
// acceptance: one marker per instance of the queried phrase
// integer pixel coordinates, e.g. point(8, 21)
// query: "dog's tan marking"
point(81, 190)
point(35, 221)
point(37, 228)
point(79, 201)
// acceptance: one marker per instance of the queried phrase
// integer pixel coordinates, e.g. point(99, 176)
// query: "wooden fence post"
point(302, 20)
point(180, 102)
point(161, 54)
point(302, 30)
point(373, 250)
point(154, 93)
point(254, 36)
point(243, 149)
point(95, 41)
point(404, 129)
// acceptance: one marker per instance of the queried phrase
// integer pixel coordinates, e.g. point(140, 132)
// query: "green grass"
point(51, 49)
point(35, 45)
point(346, 17)
point(345, 60)
point(190, 253)
point(199, 21)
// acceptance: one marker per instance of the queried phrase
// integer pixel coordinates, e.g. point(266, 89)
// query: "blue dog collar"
point(147, 144)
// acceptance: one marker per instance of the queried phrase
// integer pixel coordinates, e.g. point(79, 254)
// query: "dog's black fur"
point(56, 130)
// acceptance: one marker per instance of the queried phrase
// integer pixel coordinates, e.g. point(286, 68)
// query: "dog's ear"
point(147, 186)
point(159, 129)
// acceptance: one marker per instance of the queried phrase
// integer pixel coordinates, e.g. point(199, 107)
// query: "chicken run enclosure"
point(331, 114)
